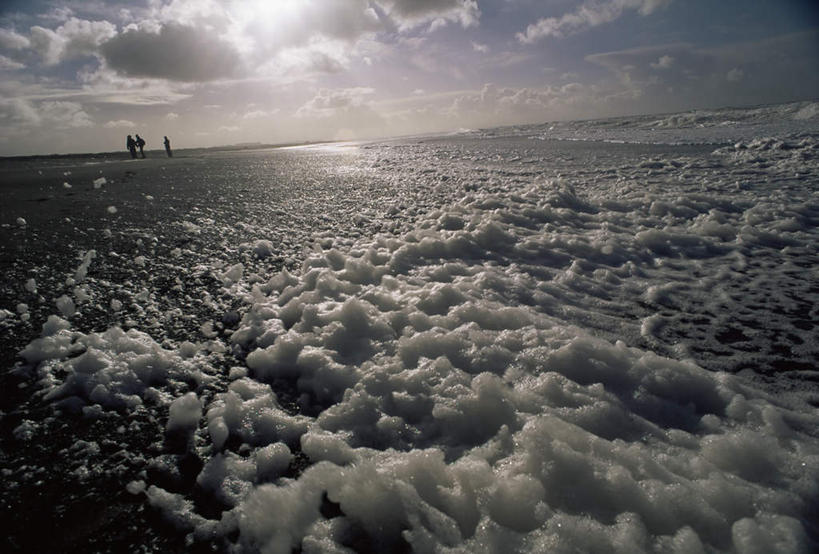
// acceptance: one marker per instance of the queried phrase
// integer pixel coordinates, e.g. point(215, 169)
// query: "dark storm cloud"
point(176, 52)
point(406, 14)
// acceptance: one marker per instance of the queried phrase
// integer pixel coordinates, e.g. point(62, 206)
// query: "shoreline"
point(123, 155)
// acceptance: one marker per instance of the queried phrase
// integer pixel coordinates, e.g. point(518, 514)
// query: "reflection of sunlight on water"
point(345, 146)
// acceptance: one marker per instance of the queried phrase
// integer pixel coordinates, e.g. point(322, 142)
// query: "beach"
point(536, 338)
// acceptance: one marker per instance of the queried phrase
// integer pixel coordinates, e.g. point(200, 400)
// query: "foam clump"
point(261, 248)
point(455, 410)
point(82, 270)
point(31, 285)
point(232, 274)
point(250, 412)
point(184, 413)
point(116, 369)
point(66, 305)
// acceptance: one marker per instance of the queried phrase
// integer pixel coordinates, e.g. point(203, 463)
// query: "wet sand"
point(37, 193)
point(180, 224)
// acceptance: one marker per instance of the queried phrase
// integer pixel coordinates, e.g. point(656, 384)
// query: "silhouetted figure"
point(131, 144)
point(140, 142)
point(168, 147)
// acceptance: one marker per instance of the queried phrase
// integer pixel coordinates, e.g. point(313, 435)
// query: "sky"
point(78, 76)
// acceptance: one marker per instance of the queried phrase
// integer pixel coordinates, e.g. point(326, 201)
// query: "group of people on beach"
point(139, 142)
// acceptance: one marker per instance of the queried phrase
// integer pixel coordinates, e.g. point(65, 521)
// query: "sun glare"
point(264, 19)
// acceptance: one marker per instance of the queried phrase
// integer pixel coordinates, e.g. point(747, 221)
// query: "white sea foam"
point(513, 374)
point(694, 127)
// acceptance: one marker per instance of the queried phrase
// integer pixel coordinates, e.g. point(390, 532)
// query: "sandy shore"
point(37, 191)
point(491, 278)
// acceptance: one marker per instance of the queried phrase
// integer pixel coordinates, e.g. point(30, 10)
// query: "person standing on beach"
point(168, 147)
point(131, 145)
point(141, 143)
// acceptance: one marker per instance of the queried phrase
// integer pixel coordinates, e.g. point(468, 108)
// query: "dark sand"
point(188, 217)
point(182, 215)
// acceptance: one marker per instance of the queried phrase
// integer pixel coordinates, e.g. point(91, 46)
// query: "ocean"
point(593, 336)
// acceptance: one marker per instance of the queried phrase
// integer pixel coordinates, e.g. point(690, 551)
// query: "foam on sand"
point(468, 386)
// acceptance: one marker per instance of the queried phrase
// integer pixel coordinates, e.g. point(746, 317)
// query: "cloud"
point(493, 105)
point(73, 39)
point(104, 85)
point(774, 69)
point(20, 114)
point(64, 115)
point(636, 68)
point(323, 36)
point(664, 62)
point(208, 40)
point(344, 114)
point(7, 64)
point(590, 14)
point(260, 114)
point(175, 52)
point(61, 14)
point(11, 40)
point(120, 123)
point(315, 60)
point(734, 75)
point(272, 26)
point(411, 13)
point(477, 47)
point(329, 102)
point(170, 116)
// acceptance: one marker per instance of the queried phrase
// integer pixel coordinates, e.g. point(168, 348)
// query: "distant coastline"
point(180, 152)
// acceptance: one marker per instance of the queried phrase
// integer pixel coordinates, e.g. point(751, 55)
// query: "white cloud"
point(437, 23)
point(268, 27)
point(21, 114)
point(106, 86)
point(664, 62)
point(207, 40)
point(59, 14)
point(590, 14)
point(18, 112)
point(734, 75)
point(170, 116)
point(12, 40)
point(345, 113)
point(477, 47)
point(120, 123)
point(73, 39)
point(260, 114)
point(328, 102)
point(493, 105)
point(64, 115)
point(9, 64)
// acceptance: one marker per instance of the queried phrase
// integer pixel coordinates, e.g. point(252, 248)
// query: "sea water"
point(589, 336)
